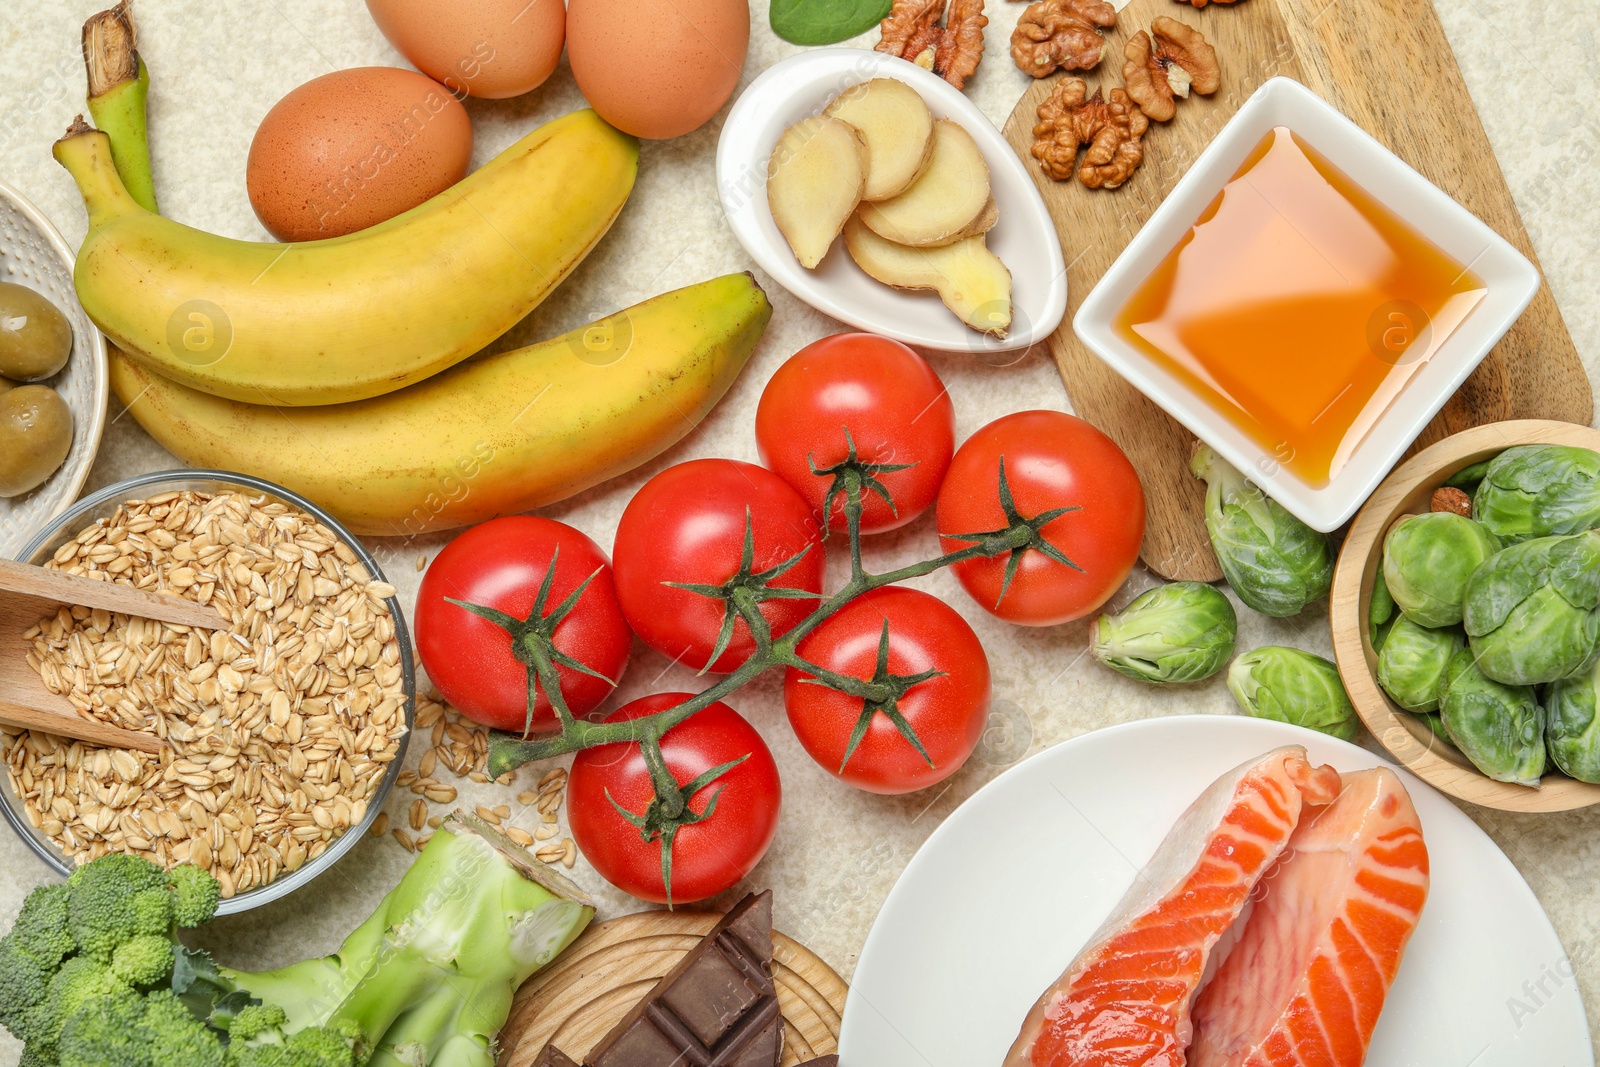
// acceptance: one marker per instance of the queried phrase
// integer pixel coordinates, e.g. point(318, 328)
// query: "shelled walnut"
point(1057, 35)
point(1170, 61)
point(953, 50)
point(1110, 125)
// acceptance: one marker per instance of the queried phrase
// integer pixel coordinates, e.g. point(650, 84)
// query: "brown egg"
point(485, 48)
point(663, 68)
point(353, 148)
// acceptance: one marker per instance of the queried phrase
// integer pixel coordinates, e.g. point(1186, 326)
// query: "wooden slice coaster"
point(580, 996)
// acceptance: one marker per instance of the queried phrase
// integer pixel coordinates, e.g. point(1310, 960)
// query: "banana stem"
point(119, 85)
point(86, 153)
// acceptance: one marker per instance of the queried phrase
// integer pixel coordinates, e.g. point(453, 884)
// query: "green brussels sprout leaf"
point(1532, 613)
point(1276, 563)
point(1296, 687)
point(1427, 560)
point(1539, 490)
point(1500, 728)
point(1467, 478)
point(1181, 632)
point(1572, 727)
point(1413, 660)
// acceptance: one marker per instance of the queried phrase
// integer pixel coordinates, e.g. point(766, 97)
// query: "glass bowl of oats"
point(285, 729)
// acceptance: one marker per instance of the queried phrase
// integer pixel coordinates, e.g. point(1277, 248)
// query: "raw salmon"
point(1125, 999)
point(1307, 978)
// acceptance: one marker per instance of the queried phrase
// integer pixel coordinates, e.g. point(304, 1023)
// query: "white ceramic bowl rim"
point(1509, 278)
point(102, 502)
point(75, 468)
point(1024, 238)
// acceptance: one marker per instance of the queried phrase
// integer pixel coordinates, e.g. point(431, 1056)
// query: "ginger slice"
point(898, 128)
point(968, 277)
point(814, 182)
point(949, 196)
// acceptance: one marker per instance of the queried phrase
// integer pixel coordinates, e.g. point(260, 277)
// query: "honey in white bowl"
point(1298, 306)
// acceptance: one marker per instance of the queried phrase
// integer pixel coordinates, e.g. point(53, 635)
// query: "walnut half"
point(1170, 61)
point(1057, 35)
point(1111, 126)
point(952, 51)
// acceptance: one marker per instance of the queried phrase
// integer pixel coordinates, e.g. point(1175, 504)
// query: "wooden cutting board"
point(1387, 65)
point(579, 997)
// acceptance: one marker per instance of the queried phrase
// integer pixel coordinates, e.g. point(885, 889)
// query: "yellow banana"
point(491, 437)
point(323, 322)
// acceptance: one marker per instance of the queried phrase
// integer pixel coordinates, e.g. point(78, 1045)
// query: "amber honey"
point(1299, 306)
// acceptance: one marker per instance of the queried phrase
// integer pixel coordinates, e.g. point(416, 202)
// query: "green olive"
point(35, 338)
point(35, 436)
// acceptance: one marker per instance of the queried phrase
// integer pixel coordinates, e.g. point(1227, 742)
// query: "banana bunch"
point(329, 367)
point(491, 437)
point(322, 322)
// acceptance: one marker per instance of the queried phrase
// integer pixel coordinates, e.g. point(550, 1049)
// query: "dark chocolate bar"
point(554, 1057)
point(821, 1061)
point(717, 1008)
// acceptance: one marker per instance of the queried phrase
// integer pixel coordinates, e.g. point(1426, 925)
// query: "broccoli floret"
point(109, 902)
point(137, 1031)
point(195, 895)
point(41, 926)
point(257, 1038)
point(146, 960)
point(257, 1021)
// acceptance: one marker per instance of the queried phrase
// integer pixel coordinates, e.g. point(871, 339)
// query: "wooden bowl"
point(1407, 737)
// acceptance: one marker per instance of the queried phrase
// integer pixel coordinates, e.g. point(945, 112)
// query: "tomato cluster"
point(719, 565)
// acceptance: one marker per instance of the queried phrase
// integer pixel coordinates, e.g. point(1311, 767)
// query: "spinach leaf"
point(825, 21)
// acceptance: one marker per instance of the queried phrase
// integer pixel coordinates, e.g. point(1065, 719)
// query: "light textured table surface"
point(218, 66)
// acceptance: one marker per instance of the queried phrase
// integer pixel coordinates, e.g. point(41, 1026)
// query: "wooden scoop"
point(28, 594)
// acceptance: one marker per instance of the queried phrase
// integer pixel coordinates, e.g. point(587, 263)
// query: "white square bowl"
point(1509, 280)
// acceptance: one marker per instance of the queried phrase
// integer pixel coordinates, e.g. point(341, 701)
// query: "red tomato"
point(707, 856)
point(499, 565)
point(687, 525)
point(1052, 460)
point(947, 712)
point(891, 401)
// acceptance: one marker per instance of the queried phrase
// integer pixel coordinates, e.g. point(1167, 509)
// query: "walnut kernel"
point(1057, 35)
point(1111, 126)
point(1170, 61)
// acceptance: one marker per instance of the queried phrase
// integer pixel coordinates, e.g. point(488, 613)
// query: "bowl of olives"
point(53, 376)
point(1465, 612)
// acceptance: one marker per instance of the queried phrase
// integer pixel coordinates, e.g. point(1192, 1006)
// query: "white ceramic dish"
point(1510, 279)
point(33, 254)
point(1024, 238)
point(1004, 893)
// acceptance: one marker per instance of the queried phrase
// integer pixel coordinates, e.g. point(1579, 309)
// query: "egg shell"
point(484, 48)
point(353, 148)
point(657, 68)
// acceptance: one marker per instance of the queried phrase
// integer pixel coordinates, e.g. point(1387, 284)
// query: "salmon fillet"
point(1308, 976)
point(1125, 999)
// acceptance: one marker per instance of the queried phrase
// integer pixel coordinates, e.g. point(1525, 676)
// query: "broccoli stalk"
point(92, 972)
point(444, 952)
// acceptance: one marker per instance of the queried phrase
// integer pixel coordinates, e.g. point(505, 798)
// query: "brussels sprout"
point(1572, 727)
point(1174, 633)
point(1533, 612)
point(1292, 686)
point(1538, 490)
point(1380, 614)
point(1427, 560)
point(1413, 660)
point(1276, 563)
point(1500, 728)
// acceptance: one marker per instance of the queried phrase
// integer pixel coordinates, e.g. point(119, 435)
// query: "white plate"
point(1509, 278)
point(997, 902)
point(1024, 239)
point(33, 254)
